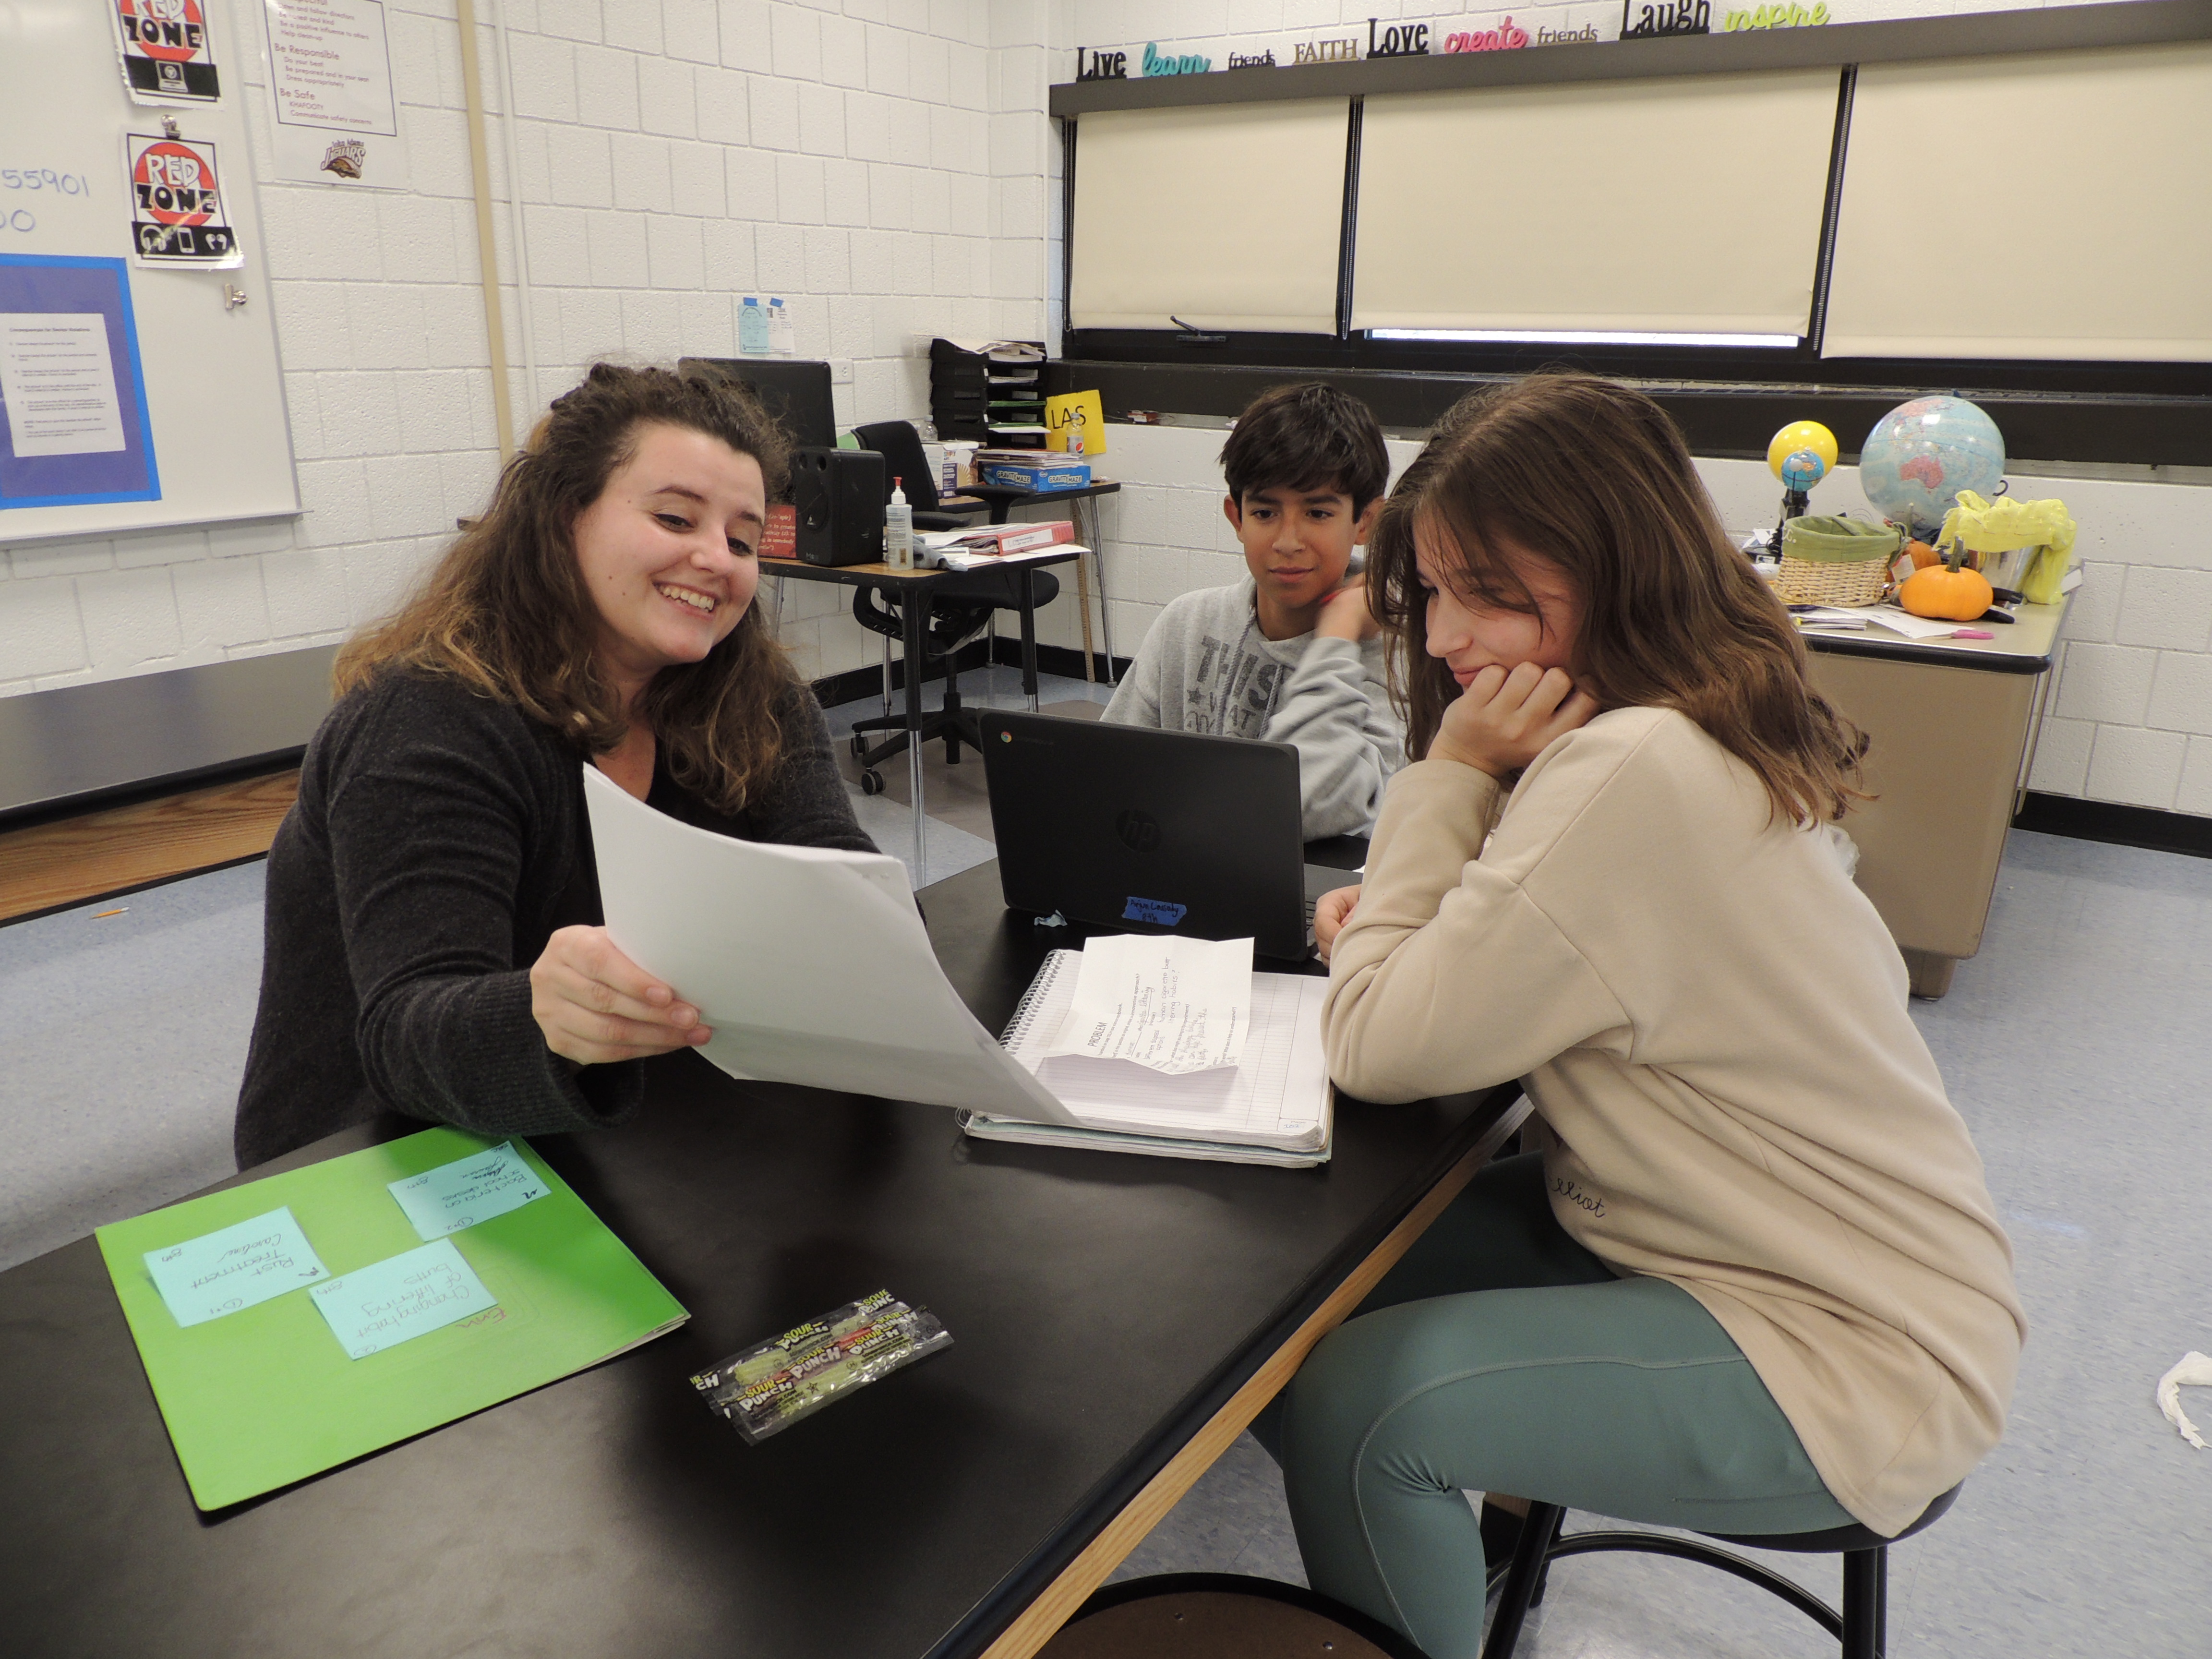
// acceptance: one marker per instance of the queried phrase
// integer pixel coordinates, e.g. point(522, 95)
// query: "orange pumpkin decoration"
point(1946, 591)
point(1923, 554)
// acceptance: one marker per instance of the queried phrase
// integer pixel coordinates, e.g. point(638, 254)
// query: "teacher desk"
point(1117, 1321)
point(1953, 725)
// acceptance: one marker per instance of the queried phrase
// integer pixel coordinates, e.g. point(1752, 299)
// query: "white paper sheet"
point(2197, 1368)
point(58, 382)
point(810, 965)
point(1172, 1004)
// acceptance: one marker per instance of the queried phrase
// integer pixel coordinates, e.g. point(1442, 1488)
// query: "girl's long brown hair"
point(1596, 479)
point(507, 611)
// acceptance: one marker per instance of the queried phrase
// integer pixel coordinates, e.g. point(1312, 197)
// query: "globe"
point(1921, 454)
point(1802, 470)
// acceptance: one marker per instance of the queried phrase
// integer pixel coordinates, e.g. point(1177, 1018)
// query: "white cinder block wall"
point(2130, 715)
point(885, 166)
point(2130, 719)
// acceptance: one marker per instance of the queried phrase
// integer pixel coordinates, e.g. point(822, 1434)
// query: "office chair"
point(905, 460)
point(960, 608)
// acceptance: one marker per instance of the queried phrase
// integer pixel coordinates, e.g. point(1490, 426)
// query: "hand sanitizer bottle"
point(752, 326)
point(898, 529)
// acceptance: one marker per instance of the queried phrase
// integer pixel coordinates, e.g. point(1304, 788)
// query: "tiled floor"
point(2073, 1045)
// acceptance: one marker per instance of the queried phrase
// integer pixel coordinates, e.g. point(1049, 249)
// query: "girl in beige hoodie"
point(1751, 1281)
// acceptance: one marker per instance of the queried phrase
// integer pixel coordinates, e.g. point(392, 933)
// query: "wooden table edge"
point(1038, 1622)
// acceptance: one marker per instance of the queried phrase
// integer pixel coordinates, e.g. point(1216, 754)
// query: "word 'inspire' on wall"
point(1188, 64)
point(1778, 17)
point(1506, 36)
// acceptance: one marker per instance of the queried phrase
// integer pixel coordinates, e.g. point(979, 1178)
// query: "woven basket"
point(1842, 562)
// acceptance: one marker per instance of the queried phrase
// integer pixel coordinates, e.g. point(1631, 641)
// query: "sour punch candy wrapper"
point(767, 1387)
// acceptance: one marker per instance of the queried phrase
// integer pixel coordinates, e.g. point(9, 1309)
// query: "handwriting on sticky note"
point(219, 1272)
point(468, 1190)
point(402, 1298)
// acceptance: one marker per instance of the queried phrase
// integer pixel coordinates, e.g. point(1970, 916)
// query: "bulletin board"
point(140, 385)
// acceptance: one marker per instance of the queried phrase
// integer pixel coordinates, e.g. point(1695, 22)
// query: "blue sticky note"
point(401, 1298)
point(220, 1272)
point(469, 1190)
point(1166, 913)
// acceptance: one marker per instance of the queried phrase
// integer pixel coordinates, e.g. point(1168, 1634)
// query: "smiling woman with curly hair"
point(432, 938)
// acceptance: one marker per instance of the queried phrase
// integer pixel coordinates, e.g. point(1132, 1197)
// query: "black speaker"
point(840, 495)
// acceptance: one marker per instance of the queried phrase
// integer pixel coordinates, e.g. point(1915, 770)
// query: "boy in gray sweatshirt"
point(1292, 654)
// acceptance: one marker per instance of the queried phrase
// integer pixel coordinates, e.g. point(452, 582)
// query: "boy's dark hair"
point(1307, 436)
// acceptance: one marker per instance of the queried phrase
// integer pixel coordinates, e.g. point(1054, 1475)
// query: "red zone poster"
point(168, 55)
point(177, 215)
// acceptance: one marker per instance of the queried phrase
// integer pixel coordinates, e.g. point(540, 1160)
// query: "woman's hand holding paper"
point(596, 1005)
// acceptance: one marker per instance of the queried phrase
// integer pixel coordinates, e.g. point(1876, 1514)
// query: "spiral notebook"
point(1274, 1106)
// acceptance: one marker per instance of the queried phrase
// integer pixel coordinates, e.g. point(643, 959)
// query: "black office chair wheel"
point(871, 782)
point(860, 745)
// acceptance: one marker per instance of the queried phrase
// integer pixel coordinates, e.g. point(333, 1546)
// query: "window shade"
point(1680, 205)
point(1227, 217)
point(2053, 206)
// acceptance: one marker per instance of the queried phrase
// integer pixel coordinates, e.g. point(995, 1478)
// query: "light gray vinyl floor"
point(2072, 1044)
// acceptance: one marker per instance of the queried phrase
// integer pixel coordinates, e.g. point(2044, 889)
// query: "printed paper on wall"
point(334, 116)
point(177, 212)
point(168, 51)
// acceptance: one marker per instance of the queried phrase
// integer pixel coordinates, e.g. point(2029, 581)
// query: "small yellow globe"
point(1802, 434)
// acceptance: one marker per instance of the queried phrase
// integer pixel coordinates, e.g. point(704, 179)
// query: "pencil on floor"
point(117, 911)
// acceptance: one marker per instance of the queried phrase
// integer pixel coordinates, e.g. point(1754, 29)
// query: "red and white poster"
point(168, 51)
point(177, 212)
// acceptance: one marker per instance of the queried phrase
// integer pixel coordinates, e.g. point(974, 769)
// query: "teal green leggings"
point(1501, 1356)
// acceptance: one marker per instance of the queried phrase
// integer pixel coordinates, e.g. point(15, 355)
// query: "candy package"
point(767, 1387)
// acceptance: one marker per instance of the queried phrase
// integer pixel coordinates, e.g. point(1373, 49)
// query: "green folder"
point(260, 1398)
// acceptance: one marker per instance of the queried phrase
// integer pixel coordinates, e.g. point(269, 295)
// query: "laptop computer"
point(1147, 831)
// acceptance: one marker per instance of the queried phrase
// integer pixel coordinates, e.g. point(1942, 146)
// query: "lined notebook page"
point(1277, 1095)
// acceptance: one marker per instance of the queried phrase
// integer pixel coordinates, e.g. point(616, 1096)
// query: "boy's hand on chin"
point(1345, 615)
point(1502, 722)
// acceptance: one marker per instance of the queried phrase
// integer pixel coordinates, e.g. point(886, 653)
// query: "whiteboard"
point(212, 418)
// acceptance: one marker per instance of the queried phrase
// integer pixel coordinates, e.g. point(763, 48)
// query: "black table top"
point(890, 575)
point(1103, 1307)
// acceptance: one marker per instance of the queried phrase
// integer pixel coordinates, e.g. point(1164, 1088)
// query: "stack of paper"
point(1267, 1100)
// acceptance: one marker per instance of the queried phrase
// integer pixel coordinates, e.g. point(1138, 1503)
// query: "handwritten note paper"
point(400, 1298)
point(469, 1190)
point(1175, 1005)
point(220, 1272)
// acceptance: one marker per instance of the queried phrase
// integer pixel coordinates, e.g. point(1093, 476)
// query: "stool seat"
point(1839, 1540)
point(1220, 1615)
point(1861, 1624)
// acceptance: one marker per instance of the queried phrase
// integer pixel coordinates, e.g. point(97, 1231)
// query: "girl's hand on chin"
point(1502, 722)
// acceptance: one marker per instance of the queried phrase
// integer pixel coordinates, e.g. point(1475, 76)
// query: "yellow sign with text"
point(1077, 411)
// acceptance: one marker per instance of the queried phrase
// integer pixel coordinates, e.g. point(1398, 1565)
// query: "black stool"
point(1862, 1626)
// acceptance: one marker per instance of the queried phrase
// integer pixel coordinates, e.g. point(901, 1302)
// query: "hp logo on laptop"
point(1140, 831)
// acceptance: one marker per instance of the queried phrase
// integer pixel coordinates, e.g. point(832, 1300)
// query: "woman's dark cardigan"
point(439, 840)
